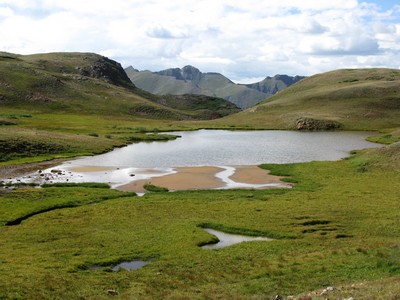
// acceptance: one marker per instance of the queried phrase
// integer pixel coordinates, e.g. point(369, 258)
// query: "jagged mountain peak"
point(191, 73)
point(186, 73)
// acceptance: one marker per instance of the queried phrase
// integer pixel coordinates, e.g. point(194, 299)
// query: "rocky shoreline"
point(11, 171)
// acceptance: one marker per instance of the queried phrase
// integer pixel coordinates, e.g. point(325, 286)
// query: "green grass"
point(22, 203)
point(96, 185)
point(338, 226)
point(154, 188)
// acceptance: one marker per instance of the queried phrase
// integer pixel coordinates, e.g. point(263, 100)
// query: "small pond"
point(130, 265)
point(227, 239)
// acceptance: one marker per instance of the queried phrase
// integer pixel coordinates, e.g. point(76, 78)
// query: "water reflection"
point(130, 265)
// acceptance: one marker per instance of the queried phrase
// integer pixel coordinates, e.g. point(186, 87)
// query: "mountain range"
point(190, 80)
point(92, 84)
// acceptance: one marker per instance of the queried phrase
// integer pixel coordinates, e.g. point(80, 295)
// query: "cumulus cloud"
point(246, 40)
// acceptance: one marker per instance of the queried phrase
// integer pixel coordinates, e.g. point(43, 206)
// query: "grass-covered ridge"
point(352, 98)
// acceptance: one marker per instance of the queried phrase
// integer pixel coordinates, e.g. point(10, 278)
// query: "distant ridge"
point(190, 80)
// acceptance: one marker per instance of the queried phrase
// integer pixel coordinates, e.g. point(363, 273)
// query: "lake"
point(222, 148)
point(205, 159)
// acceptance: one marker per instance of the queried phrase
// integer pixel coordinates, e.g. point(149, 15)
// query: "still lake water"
point(224, 148)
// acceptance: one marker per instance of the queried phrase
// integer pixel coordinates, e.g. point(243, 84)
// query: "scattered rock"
point(112, 292)
point(327, 290)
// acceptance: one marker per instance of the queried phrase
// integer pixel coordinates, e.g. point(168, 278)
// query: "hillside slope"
point(86, 83)
point(349, 99)
point(189, 80)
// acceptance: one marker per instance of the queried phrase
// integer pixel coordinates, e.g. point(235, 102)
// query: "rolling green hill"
point(90, 84)
point(189, 80)
point(348, 99)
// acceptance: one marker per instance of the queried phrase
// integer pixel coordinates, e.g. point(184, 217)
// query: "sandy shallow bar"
point(194, 178)
point(85, 169)
point(254, 175)
point(185, 178)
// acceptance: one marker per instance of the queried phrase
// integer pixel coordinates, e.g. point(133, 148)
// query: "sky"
point(245, 40)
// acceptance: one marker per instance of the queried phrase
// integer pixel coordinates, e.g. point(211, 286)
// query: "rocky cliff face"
point(108, 70)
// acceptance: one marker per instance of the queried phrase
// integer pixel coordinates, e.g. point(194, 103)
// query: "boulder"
point(310, 124)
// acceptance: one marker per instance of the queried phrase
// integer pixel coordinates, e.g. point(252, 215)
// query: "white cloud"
point(6, 12)
point(249, 39)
